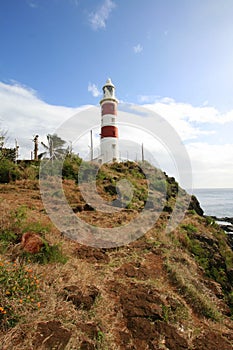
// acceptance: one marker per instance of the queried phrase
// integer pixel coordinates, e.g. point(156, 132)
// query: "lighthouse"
point(109, 131)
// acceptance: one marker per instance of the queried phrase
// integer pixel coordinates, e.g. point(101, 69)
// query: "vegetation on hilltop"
point(165, 290)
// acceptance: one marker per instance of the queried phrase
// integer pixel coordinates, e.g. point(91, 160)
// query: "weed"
point(190, 228)
point(100, 336)
point(166, 312)
point(192, 212)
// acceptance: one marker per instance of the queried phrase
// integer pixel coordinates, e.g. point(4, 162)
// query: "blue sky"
point(174, 57)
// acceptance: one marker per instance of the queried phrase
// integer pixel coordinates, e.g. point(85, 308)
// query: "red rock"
point(31, 242)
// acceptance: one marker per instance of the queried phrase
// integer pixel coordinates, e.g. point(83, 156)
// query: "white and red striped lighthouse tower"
point(109, 131)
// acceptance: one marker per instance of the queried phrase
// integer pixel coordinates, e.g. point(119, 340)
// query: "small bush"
point(9, 171)
point(11, 227)
point(48, 254)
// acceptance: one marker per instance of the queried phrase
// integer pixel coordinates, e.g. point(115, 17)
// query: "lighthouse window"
point(113, 120)
point(113, 146)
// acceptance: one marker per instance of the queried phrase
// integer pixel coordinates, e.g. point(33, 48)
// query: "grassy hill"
point(164, 290)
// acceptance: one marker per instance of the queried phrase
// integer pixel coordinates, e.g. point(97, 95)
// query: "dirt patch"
point(173, 340)
point(78, 298)
point(210, 340)
point(90, 329)
point(86, 345)
point(141, 301)
point(92, 255)
point(142, 309)
point(142, 328)
point(51, 335)
point(152, 267)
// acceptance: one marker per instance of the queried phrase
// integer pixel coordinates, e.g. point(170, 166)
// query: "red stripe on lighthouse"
point(109, 108)
point(109, 131)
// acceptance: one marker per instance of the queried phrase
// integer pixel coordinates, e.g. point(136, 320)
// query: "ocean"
point(217, 201)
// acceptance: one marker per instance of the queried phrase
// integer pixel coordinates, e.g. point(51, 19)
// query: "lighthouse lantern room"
point(109, 131)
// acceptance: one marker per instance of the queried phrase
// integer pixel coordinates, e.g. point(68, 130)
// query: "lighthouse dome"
point(109, 82)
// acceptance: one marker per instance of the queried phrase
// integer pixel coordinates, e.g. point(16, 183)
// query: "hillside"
point(164, 290)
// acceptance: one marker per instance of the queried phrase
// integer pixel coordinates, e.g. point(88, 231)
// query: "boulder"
point(31, 242)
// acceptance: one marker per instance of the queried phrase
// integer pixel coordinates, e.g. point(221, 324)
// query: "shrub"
point(8, 171)
point(47, 254)
point(11, 227)
point(71, 167)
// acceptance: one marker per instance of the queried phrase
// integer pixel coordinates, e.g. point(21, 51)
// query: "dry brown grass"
point(185, 296)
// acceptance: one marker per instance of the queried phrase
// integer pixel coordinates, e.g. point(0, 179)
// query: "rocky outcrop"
point(226, 223)
point(195, 205)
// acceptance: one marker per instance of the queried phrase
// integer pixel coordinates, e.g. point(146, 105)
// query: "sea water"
point(217, 201)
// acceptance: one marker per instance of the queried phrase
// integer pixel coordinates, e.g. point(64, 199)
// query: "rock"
point(195, 205)
point(110, 189)
point(86, 345)
point(230, 240)
point(51, 335)
point(88, 207)
point(226, 228)
point(31, 242)
point(78, 208)
point(230, 275)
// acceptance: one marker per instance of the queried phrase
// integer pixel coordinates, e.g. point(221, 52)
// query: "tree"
point(7, 153)
point(55, 147)
point(3, 135)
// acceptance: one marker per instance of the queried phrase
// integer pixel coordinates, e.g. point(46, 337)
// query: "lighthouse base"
point(109, 150)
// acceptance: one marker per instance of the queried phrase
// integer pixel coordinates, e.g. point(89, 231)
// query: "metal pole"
point(36, 147)
point(142, 153)
point(91, 146)
point(16, 151)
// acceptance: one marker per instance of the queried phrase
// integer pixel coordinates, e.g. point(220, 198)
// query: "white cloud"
point(138, 48)
point(185, 111)
point(147, 98)
point(75, 2)
point(24, 114)
point(94, 90)
point(212, 164)
point(98, 19)
point(32, 3)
